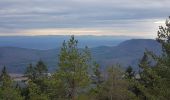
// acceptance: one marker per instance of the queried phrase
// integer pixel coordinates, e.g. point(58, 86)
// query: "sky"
point(139, 18)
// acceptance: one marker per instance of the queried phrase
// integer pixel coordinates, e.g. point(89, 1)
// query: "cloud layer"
point(82, 17)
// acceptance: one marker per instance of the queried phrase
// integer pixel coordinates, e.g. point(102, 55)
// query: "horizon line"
point(126, 36)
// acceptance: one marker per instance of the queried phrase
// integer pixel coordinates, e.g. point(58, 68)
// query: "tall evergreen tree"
point(155, 70)
point(37, 76)
point(5, 79)
point(97, 82)
point(98, 77)
point(7, 90)
point(73, 68)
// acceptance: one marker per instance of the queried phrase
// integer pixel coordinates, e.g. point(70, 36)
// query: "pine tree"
point(55, 87)
point(37, 76)
point(41, 68)
point(30, 72)
point(9, 93)
point(36, 72)
point(73, 68)
point(155, 70)
point(35, 92)
point(5, 79)
point(129, 73)
point(97, 82)
point(7, 90)
point(98, 77)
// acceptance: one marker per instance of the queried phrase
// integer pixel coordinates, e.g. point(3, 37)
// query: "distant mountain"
point(16, 59)
point(126, 53)
point(51, 42)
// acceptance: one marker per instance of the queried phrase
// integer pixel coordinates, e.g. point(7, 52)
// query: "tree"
point(35, 92)
point(97, 82)
point(147, 79)
point(162, 67)
point(115, 87)
point(37, 76)
point(41, 68)
point(5, 79)
point(9, 93)
point(7, 90)
point(30, 72)
point(155, 70)
point(36, 72)
point(73, 68)
point(98, 77)
point(55, 87)
point(129, 73)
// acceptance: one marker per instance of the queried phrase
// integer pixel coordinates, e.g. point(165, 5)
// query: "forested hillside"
point(126, 53)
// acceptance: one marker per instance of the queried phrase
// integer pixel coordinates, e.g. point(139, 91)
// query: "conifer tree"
point(155, 70)
point(73, 68)
point(7, 90)
point(5, 79)
point(41, 68)
point(97, 82)
point(129, 73)
point(30, 72)
point(98, 77)
point(37, 76)
point(35, 92)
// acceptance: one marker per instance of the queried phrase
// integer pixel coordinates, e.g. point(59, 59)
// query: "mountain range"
point(125, 53)
point(51, 42)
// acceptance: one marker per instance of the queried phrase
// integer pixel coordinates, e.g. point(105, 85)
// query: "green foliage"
point(55, 87)
point(97, 82)
point(35, 92)
point(153, 82)
point(73, 68)
point(5, 79)
point(39, 71)
point(97, 78)
point(77, 79)
point(115, 86)
point(41, 68)
point(30, 72)
point(36, 86)
point(7, 91)
point(129, 73)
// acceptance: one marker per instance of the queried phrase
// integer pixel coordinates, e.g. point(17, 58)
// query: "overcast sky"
point(83, 17)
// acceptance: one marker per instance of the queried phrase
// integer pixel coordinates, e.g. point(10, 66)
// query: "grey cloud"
point(32, 14)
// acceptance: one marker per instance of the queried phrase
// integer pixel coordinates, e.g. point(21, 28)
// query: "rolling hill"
point(126, 53)
point(51, 42)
